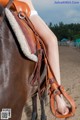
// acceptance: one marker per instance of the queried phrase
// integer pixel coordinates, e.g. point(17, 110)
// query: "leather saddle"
point(55, 89)
point(18, 11)
point(16, 6)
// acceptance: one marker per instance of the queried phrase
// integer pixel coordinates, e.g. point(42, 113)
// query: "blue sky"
point(54, 12)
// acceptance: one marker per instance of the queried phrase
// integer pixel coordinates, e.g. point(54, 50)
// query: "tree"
point(70, 31)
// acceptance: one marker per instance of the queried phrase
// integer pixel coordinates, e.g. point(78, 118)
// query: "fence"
point(69, 43)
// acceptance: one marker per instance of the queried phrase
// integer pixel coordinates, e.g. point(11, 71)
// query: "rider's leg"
point(50, 41)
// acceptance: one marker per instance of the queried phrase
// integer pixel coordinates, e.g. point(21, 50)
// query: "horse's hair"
point(1, 10)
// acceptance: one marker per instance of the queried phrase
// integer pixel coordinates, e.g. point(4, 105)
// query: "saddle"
point(22, 17)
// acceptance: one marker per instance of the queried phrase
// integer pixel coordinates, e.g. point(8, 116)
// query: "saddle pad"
point(26, 48)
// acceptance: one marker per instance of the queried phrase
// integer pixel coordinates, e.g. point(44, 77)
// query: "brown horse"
point(15, 71)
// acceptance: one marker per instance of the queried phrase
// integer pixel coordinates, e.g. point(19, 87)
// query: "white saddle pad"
point(20, 36)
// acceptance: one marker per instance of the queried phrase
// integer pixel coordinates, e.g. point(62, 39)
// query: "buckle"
point(22, 15)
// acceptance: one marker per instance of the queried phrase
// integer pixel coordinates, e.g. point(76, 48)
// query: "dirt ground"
point(70, 76)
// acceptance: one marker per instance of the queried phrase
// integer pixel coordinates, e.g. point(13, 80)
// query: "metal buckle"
point(22, 15)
